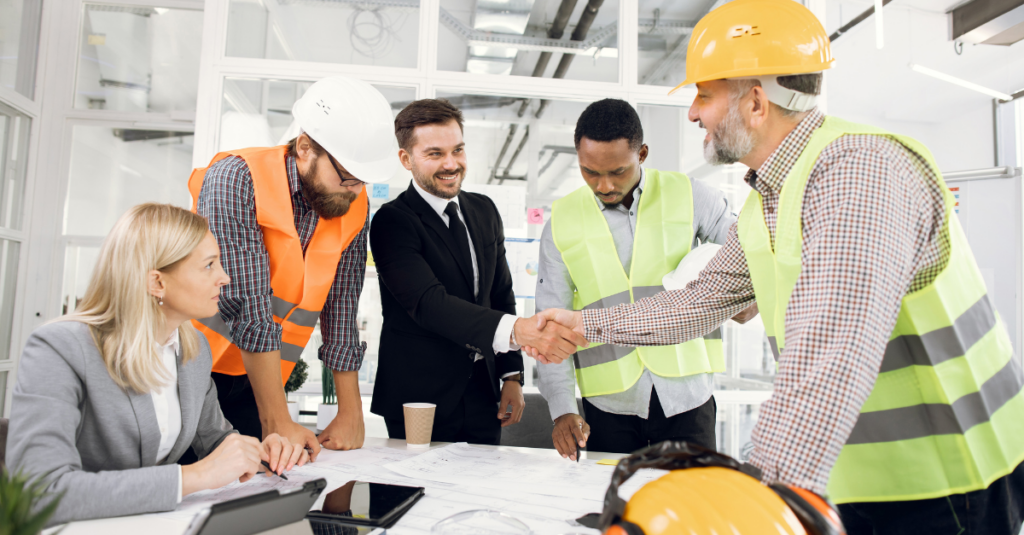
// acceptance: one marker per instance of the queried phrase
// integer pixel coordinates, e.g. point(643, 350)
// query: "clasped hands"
point(551, 336)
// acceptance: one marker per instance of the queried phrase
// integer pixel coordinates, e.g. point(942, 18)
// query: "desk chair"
point(534, 430)
point(3, 441)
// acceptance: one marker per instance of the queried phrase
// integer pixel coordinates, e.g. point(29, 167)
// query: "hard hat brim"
point(759, 71)
point(372, 172)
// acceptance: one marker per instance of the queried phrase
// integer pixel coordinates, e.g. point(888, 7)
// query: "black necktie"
point(460, 236)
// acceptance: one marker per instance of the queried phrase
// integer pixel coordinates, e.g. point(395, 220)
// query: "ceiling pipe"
point(578, 34)
point(556, 31)
point(857, 20)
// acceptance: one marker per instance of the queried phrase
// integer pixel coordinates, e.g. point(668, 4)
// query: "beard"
point(432, 184)
point(731, 140)
point(326, 204)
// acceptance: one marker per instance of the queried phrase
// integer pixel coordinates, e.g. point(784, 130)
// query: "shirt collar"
point(636, 196)
point(435, 202)
point(173, 343)
point(772, 174)
point(294, 183)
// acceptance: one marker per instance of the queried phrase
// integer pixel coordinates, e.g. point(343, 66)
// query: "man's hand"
point(264, 371)
point(746, 314)
point(346, 431)
point(570, 431)
point(296, 434)
point(549, 341)
point(567, 319)
point(570, 319)
point(511, 394)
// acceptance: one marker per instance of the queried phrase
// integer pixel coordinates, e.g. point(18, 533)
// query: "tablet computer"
point(358, 503)
point(259, 512)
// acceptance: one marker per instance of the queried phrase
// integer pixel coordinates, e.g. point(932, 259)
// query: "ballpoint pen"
point(282, 476)
point(578, 444)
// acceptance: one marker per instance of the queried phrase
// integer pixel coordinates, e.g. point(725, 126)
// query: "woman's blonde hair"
point(123, 316)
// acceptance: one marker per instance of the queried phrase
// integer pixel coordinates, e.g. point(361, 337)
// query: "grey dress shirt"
point(712, 219)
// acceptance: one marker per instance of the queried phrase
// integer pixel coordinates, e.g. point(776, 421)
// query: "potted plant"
point(19, 497)
point(327, 410)
point(295, 382)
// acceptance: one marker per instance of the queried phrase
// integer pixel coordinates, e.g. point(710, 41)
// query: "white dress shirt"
point(166, 403)
point(502, 335)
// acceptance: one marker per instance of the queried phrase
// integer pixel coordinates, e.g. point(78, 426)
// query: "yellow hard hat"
point(707, 493)
point(710, 500)
point(748, 38)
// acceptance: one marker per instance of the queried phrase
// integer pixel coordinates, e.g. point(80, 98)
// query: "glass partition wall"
point(20, 109)
point(144, 107)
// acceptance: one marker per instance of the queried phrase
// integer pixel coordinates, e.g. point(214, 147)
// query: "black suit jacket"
point(432, 323)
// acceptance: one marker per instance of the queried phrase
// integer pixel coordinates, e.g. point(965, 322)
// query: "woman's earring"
point(160, 301)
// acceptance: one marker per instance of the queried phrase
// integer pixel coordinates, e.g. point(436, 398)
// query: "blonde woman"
point(109, 398)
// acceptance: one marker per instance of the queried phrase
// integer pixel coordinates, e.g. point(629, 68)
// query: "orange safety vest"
point(300, 283)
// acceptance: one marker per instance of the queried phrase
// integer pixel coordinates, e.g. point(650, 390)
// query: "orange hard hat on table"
point(753, 38)
point(707, 493)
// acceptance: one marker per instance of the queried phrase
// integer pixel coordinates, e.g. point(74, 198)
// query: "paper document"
point(469, 466)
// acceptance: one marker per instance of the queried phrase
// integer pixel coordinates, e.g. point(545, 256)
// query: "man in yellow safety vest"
point(897, 391)
point(612, 241)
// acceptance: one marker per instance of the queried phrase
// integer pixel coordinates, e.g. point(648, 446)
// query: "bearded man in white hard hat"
point(291, 222)
point(897, 393)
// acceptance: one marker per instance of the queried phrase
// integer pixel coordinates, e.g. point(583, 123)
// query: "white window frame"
point(40, 275)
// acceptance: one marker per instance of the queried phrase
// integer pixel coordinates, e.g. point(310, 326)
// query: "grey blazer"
point(93, 440)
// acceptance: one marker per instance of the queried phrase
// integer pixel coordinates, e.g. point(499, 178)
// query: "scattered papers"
point(545, 492)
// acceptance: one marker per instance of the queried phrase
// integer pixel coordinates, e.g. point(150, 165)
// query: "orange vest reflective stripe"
point(300, 283)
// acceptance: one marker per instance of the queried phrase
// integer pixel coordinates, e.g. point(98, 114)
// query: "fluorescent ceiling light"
point(960, 82)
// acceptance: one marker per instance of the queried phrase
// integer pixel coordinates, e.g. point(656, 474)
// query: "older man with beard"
point(897, 391)
point(291, 225)
point(450, 332)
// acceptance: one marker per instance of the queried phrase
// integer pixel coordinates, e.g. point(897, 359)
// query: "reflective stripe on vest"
point(300, 281)
point(663, 234)
point(945, 413)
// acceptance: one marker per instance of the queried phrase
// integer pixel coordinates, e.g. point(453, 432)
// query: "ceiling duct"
point(988, 22)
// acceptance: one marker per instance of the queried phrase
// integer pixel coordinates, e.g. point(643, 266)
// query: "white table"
point(132, 525)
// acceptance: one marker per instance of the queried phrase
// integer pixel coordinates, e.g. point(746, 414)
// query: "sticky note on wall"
point(380, 191)
point(535, 216)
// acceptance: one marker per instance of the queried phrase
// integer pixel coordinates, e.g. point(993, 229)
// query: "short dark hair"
point(608, 120)
point(421, 112)
point(804, 83)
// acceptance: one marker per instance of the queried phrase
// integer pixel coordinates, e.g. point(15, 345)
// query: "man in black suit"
point(450, 332)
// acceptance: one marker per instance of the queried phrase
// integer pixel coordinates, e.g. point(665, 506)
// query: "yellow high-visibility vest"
point(664, 232)
point(946, 414)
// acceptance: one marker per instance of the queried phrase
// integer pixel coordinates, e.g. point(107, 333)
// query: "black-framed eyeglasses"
point(346, 182)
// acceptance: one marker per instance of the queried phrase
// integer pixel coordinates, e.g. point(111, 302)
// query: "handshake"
point(551, 336)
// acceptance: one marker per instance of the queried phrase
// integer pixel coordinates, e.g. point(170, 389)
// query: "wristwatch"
point(517, 377)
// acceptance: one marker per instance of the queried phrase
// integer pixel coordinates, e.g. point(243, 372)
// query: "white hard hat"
point(352, 121)
point(690, 266)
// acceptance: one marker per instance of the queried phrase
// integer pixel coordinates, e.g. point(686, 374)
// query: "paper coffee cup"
point(419, 423)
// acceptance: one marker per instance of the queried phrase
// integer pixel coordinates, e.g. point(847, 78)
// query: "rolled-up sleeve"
point(342, 351)
point(228, 202)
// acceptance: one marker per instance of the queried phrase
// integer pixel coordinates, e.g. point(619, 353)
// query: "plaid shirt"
point(872, 218)
point(227, 200)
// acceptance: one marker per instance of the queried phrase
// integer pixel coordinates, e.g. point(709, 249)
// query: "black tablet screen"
point(368, 502)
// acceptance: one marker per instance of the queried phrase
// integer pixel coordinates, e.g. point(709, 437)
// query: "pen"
point(578, 445)
point(265, 463)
